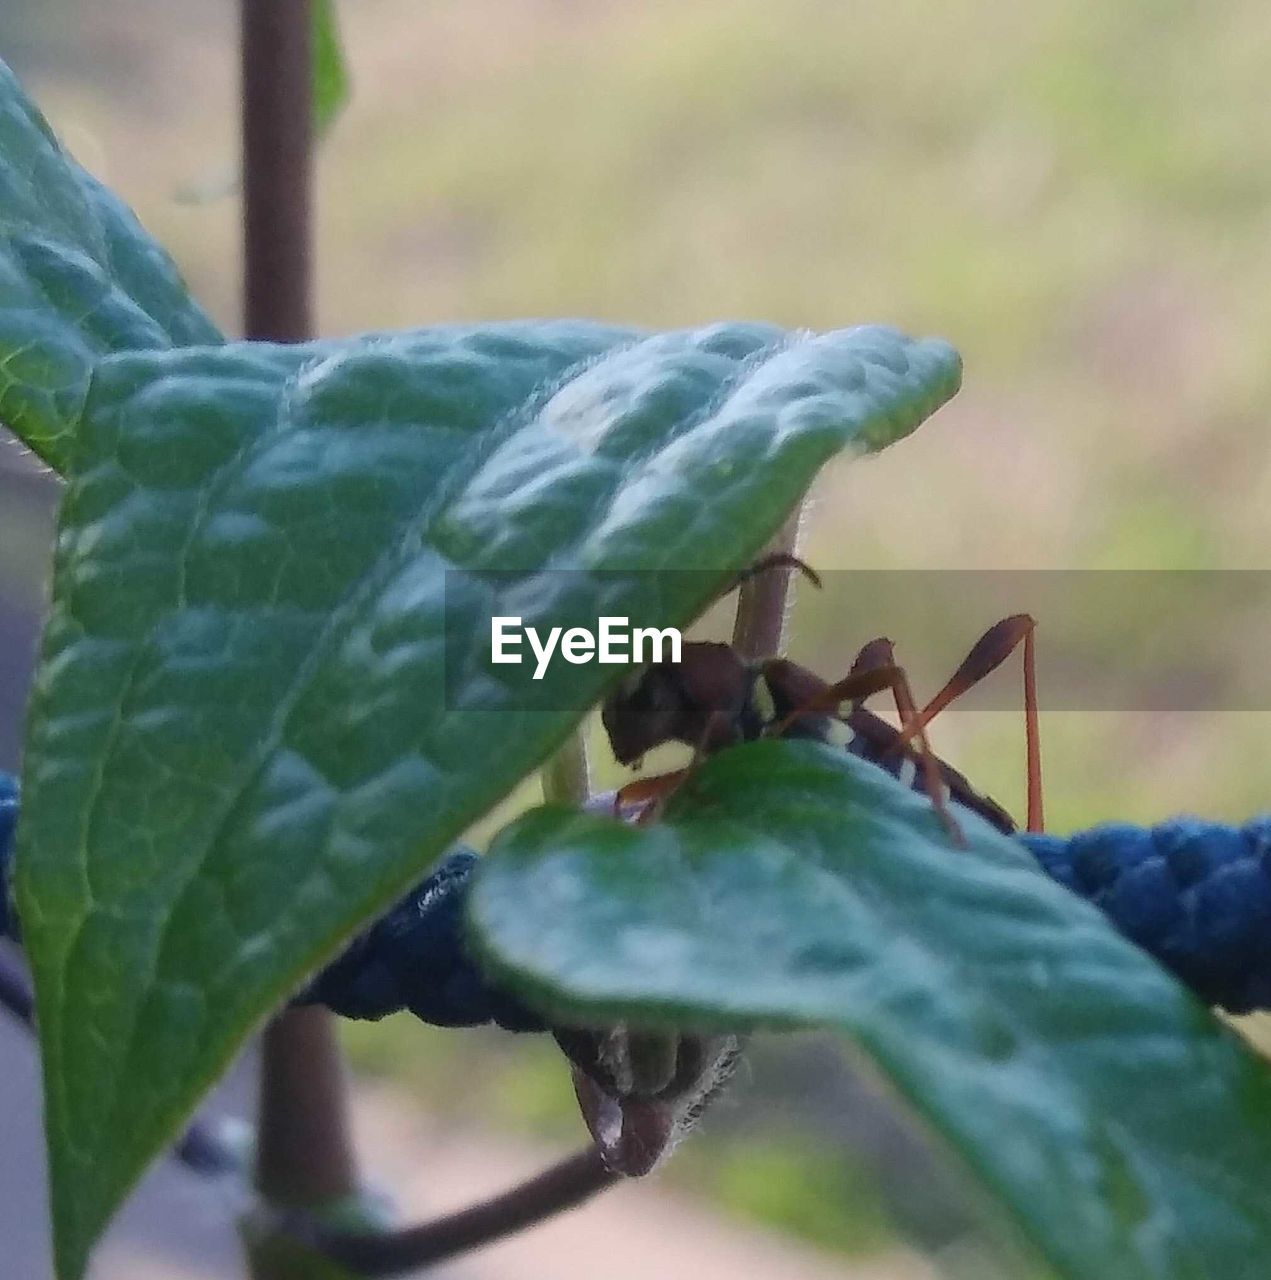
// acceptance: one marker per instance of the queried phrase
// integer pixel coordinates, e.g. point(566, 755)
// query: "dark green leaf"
point(1128, 1131)
point(261, 713)
point(330, 73)
point(78, 278)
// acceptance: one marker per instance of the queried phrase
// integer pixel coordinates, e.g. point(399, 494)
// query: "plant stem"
point(762, 600)
point(303, 1150)
point(563, 1186)
point(304, 1154)
point(566, 777)
point(277, 133)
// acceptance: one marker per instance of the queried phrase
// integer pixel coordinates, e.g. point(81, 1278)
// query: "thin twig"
point(391, 1253)
point(762, 600)
point(304, 1154)
point(277, 126)
point(304, 1151)
point(566, 777)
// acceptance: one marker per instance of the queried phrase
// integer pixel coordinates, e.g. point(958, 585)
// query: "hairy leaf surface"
point(1128, 1131)
point(261, 712)
point(79, 277)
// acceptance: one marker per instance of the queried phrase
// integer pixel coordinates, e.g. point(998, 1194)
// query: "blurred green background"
point(1076, 194)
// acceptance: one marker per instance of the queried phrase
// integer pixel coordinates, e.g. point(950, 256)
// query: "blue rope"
point(1195, 895)
point(415, 958)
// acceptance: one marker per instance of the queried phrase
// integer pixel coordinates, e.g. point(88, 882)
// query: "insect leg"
point(639, 798)
point(875, 669)
point(986, 655)
point(881, 655)
point(775, 560)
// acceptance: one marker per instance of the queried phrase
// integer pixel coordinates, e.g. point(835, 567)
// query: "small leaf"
point(1127, 1131)
point(261, 710)
point(78, 278)
point(330, 71)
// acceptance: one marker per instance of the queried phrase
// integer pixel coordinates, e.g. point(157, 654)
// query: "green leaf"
point(1127, 1131)
point(78, 278)
point(260, 712)
point(330, 72)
